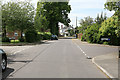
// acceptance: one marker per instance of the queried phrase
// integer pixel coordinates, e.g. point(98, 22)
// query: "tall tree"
point(114, 6)
point(100, 19)
point(41, 23)
point(87, 21)
point(55, 12)
point(17, 16)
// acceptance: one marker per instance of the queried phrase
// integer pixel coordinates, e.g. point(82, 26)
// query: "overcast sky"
point(83, 8)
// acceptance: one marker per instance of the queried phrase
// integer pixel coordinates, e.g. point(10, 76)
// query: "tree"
point(87, 21)
point(109, 29)
point(54, 13)
point(114, 6)
point(17, 16)
point(92, 33)
point(41, 23)
point(100, 19)
point(71, 32)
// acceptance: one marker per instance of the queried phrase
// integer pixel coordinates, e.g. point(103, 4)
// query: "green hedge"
point(5, 39)
point(21, 39)
point(46, 36)
point(31, 36)
point(108, 29)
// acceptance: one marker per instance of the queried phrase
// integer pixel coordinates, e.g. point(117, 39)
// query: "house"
point(14, 35)
point(63, 30)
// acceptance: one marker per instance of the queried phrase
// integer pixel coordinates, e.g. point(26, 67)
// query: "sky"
point(83, 8)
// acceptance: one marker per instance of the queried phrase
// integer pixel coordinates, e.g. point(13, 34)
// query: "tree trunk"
point(57, 29)
point(21, 33)
point(4, 31)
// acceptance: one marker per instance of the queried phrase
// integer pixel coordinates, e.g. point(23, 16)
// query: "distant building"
point(63, 30)
point(14, 35)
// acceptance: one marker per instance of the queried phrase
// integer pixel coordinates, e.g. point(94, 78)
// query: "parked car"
point(3, 60)
point(54, 37)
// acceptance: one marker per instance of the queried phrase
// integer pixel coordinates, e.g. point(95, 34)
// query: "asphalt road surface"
point(64, 58)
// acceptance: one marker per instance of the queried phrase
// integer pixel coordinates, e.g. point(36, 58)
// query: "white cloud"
point(84, 8)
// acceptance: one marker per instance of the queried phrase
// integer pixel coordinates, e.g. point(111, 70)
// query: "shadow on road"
point(11, 61)
point(7, 72)
point(23, 61)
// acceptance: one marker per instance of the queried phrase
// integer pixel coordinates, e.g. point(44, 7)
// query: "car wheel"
point(3, 63)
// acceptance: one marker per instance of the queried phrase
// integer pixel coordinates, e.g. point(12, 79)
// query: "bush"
point(21, 39)
point(46, 36)
point(106, 43)
point(83, 38)
point(31, 36)
point(39, 37)
point(92, 33)
point(14, 41)
point(5, 39)
point(109, 29)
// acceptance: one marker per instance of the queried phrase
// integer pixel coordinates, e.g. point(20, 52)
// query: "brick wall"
point(13, 35)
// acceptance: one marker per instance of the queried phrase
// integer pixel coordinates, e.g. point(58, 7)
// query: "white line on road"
point(81, 50)
point(21, 50)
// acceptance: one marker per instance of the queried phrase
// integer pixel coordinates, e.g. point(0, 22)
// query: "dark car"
point(3, 60)
point(54, 37)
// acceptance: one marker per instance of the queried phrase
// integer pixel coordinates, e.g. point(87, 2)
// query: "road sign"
point(105, 39)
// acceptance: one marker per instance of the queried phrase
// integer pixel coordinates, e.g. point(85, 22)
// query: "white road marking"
point(81, 49)
point(21, 50)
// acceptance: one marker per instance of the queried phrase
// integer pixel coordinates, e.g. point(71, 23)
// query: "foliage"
point(87, 21)
point(109, 29)
point(92, 33)
point(17, 16)
point(83, 38)
point(41, 22)
point(52, 13)
point(46, 36)
point(113, 5)
point(21, 39)
point(14, 41)
point(105, 43)
point(5, 39)
point(101, 18)
point(31, 36)
point(71, 31)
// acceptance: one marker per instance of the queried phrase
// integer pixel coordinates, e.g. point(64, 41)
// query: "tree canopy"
point(52, 13)
point(17, 16)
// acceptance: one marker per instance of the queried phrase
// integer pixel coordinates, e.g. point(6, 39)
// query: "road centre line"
point(80, 49)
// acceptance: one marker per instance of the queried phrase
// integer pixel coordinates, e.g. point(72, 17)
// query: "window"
point(16, 34)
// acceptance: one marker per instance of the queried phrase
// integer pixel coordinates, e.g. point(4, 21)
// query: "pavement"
point(107, 63)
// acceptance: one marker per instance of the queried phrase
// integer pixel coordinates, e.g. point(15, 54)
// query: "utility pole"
point(76, 27)
point(76, 21)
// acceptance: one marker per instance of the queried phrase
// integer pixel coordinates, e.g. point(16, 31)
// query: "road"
point(64, 58)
